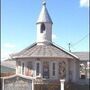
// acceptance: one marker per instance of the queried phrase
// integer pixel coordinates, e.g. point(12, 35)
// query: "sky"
point(18, 24)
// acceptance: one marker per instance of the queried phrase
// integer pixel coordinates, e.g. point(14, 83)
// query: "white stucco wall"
point(70, 65)
point(71, 70)
point(46, 36)
point(67, 69)
point(74, 69)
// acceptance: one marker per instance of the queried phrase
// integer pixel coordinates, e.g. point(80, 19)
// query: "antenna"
point(69, 46)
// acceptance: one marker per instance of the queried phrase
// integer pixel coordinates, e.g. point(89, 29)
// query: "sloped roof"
point(50, 50)
point(84, 56)
point(9, 64)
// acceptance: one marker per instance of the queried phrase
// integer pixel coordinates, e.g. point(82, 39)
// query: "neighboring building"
point(6, 71)
point(9, 63)
point(8, 67)
point(43, 59)
point(84, 64)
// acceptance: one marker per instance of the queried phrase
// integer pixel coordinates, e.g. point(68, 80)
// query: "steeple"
point(44, 26)
point(44, 15)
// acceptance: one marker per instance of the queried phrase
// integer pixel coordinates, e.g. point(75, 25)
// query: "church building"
point(43, 59)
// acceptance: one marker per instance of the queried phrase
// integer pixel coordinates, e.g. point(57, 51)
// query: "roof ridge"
point(61, 48)
point(30, 46)
point(21, 53)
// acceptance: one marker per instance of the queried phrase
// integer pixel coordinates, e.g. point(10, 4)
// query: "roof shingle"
point(44, 51)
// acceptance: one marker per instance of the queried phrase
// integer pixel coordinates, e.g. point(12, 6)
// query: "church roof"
point(44, 15)
point(44, 51)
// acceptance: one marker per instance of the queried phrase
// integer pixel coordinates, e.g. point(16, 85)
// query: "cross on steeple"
point(44, 2)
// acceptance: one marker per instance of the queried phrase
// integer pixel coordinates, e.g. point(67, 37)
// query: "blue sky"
point(18, 24)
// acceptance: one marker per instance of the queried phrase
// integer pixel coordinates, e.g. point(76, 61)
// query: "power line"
point(79, 40)
point(72, 45)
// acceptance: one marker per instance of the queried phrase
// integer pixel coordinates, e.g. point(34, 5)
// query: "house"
point(84, 64)
point(7, 67)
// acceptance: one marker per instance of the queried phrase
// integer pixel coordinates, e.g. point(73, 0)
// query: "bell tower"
point(44, 27)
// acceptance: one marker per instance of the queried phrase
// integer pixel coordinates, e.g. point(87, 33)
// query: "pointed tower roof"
point(44, 15)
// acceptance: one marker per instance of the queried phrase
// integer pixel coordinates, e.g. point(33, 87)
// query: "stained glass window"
point(29, 66)
point(45, 69)
point(62, 69)
point(29, 69)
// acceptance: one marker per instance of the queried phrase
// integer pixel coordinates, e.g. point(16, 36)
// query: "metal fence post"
point(32, 84)
point(62, 84)
point(2, 83)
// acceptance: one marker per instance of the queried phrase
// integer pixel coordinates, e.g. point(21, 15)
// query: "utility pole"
point(69, 46)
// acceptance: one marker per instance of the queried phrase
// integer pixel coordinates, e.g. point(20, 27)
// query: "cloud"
point(84, 3)
point(6, 50)
point(4, 55)
point(54, 36)
point(9, 45)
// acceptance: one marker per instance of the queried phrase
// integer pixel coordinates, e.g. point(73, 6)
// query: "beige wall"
point(70, 65)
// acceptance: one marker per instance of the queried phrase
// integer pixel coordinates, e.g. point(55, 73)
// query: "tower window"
point(42, 27)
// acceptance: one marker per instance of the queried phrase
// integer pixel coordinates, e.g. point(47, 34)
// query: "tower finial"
point(44, 2)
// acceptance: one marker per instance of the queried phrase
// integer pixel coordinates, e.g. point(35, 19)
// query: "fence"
point(16, 82)
point(23, 83)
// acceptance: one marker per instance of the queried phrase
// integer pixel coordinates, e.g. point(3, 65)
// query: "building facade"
point(44, 60)
point(84, 64)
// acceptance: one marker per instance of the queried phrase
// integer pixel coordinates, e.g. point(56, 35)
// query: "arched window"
point(29, 67)
point(23, 68)
point(53, 73)
point(46, 69)
point(38, 68)
point(42, 27)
